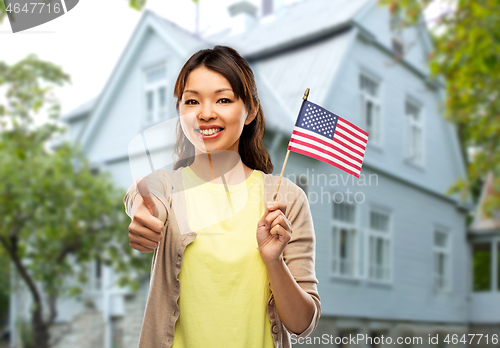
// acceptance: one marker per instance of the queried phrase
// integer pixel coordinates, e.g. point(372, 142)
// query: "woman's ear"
point(251, 116)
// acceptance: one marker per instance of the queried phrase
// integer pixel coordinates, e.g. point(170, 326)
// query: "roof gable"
point(374, 18)
point(167, 31)
point(298, 23)
point(314, 66)
point(481, 223)
point(331, 15)
point(81, 110)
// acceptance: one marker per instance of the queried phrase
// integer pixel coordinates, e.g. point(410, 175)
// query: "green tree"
point(467, 54)
point(56, 214)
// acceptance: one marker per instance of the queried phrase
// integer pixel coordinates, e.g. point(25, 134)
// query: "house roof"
point(181, 41)
point(189, 40)
point(81, 110)
point(313, 66)
point(481, 223)
point(284, 29)
point(321, 42)
point(293, 25)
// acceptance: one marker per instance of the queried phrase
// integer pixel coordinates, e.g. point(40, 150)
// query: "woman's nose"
point(207, 112)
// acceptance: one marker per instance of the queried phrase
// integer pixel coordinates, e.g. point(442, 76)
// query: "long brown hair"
point(227, 62)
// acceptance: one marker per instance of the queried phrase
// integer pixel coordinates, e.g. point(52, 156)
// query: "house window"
point(379, 245)
point(441, 260)
point(414, 143)
point(344, 240)
point(396, 26)
point(370, 107)
point(301, 181)
point(481, 266)
point(155, 93)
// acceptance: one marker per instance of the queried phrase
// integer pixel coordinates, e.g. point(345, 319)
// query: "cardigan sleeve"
point(156, 183)
point(299, 254)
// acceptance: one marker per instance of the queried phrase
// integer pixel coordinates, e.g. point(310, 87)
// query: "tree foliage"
point(56, 213)
point(467, 54)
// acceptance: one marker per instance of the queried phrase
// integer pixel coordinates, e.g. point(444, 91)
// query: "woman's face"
point(208, 103)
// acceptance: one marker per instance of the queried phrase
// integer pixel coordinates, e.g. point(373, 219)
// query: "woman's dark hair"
point(227, 62)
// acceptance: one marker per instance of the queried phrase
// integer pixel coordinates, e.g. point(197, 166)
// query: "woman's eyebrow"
point(217, 91)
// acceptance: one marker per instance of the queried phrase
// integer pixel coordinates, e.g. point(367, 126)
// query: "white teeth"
point(209, 131)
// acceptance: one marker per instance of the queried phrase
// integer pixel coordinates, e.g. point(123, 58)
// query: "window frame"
point(375, 132)
point(386, 237)
point(154, 87)
point(410, 122)
point(494, 267)
point(355, 232)
point(447, 251)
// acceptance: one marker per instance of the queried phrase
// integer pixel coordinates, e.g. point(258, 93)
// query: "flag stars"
point(319, 120)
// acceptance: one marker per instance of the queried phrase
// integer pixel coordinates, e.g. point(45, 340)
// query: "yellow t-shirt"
point(224, 282)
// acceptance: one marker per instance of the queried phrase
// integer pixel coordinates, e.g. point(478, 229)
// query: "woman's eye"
point(194, 102)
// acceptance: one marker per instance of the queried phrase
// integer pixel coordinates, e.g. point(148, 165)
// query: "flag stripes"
point(320, 134)
point(330, 152)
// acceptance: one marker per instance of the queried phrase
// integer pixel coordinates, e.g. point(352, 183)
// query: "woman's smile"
point(207, 134)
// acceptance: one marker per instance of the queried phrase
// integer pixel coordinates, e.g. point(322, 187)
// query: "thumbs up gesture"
point(146, 196)
point(145, 230)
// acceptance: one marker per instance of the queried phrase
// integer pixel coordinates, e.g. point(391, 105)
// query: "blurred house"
point(392, 255)
point(484, 237)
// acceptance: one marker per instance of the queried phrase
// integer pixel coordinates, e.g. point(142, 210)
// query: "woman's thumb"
point(262, 220)
point(147, 197)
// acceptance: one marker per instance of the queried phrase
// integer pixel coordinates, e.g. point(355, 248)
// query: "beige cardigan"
point(162, 310)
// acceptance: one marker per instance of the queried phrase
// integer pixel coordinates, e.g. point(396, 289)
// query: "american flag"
point(321, 134)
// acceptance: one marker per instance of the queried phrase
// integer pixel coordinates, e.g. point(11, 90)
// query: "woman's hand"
point(274, 231)
point(145, 230)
